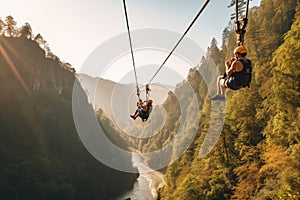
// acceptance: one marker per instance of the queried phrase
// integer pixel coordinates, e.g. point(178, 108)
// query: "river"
point(145, 188)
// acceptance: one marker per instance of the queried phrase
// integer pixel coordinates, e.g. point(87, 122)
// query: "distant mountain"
point(41, 155)
point(111, 96)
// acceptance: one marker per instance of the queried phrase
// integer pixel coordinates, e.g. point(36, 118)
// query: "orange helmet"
point(240, 49)
point(149, 101)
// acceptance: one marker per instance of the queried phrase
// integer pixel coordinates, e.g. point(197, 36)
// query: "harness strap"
point(240, 25)
point(147, 91)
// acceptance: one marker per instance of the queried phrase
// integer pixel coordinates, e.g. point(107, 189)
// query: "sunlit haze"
point(74, 28)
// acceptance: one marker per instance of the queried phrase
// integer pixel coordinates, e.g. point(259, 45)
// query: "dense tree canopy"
point(257, 155)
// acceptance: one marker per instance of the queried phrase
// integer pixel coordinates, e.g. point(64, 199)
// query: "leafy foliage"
point(257, 155)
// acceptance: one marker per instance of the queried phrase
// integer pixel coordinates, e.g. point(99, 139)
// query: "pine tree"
point(26, 31)
point(10, 24)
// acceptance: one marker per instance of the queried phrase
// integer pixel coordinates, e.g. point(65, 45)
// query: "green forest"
point(256, 157)
point(41, 154)
point(257, 154)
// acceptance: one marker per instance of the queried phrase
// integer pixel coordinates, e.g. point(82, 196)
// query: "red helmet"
point(149, 101)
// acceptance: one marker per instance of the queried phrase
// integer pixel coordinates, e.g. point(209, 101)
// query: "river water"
point(145, 188)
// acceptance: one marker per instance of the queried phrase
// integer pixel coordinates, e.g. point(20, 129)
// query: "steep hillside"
point(41, 155)
point(257, 154)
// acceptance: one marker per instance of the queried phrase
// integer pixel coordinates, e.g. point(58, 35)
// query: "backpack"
point(145, 115)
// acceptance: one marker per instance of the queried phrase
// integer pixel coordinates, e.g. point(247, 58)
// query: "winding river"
point(146, 185)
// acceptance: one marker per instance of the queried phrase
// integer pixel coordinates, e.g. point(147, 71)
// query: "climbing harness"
point(240, 24)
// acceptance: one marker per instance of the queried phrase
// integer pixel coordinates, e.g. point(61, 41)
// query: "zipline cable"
point(132, 57)
point(189, 27)
point(247, 8)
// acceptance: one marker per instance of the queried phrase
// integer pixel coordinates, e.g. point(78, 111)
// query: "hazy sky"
point(74, 28)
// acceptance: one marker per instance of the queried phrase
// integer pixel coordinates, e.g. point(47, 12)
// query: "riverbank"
point(148, 182)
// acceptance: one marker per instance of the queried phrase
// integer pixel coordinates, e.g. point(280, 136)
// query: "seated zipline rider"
point(237, 75)
point(144, 110)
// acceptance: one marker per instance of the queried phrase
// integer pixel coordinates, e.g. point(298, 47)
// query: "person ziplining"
point(144, 110)
point(147, 86)
point(144, 107)
point(238, 70)
point(237, 75)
